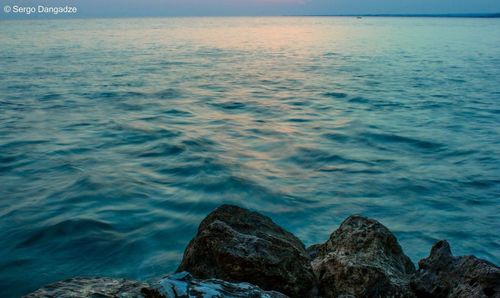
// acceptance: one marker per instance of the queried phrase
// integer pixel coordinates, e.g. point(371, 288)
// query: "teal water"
point(118, 136)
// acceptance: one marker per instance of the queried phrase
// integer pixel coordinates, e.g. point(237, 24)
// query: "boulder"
point(443, 275)
point(362, 259)
point(183, 285)
point(94, 287)
point(237, 245)
point(180, 285)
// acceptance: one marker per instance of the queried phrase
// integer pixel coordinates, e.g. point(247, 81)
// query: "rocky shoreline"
point(240, 253)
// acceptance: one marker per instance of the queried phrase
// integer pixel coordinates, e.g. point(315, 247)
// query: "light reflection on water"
point(118, 136)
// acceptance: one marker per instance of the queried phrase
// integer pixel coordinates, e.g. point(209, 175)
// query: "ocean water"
point(117, 136)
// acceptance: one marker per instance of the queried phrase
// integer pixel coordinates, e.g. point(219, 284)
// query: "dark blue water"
point(118, 136)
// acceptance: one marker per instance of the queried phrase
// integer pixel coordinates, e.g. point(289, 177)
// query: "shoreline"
point(241, 253)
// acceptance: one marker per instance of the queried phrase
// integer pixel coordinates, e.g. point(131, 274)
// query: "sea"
point(118, 136)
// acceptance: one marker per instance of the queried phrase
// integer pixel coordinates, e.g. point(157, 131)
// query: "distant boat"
point(359, 17)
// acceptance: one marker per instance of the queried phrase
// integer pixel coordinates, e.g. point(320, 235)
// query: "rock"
point(180, 285)
point(101, 287)
point(362, 259)
point(238, 245)
point(183, 285)
point(314, 250)
point(443, 275)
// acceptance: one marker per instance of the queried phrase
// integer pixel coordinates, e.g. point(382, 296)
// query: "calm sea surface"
point(118, 136)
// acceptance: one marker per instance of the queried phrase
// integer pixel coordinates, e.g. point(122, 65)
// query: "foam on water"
point(118, 136)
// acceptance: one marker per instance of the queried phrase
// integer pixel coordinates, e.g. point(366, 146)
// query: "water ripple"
point(115, 143)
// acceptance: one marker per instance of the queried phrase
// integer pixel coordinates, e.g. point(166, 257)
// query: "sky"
point(267, 7)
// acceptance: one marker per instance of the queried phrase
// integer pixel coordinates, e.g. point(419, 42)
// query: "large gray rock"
point(180, 285)
point(362, 259)
point(238, 245)
point(443, 275)
point(183, 285)
point(101, 287)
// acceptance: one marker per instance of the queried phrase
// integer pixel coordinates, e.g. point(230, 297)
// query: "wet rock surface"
point(101, 287)
point(183, 285)
point(235, 244)
point(362, 259)
point(180, 285)
point(443, 275)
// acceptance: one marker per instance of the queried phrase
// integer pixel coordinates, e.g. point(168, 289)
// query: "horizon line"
point(409, 15)
point(470, 15)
